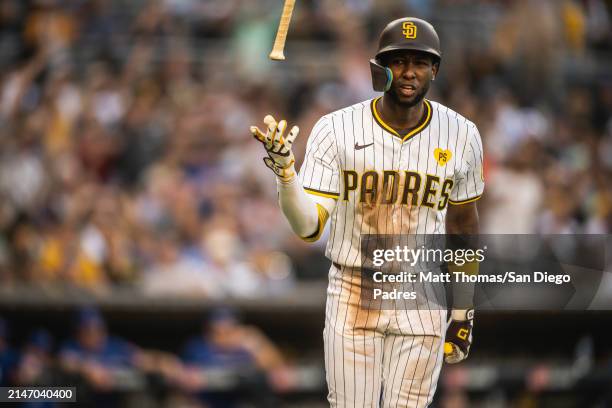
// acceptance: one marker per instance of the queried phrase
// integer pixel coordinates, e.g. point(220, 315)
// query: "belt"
point(337, 265)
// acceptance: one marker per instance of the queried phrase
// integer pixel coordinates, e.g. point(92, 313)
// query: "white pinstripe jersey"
point(386, 183)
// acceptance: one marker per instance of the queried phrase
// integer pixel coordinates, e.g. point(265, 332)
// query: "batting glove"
point(280, 157)
point(459, 336)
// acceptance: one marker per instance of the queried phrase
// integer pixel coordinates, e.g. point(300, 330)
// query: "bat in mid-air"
point(281, 34)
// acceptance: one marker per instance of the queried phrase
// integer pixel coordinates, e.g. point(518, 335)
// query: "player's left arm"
point(462, 230)
point(462, 227)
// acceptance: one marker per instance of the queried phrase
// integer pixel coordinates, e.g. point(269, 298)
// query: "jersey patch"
point(442, 156)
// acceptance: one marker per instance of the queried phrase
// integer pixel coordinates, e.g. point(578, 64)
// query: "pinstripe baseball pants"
point(378, 356)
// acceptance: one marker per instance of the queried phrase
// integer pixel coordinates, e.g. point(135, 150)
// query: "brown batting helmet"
point(408, 33)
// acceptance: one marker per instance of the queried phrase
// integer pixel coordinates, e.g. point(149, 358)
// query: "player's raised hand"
point(280, 158)
point(459, 336)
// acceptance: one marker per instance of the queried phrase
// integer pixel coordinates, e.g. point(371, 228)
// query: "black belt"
point(337, 265)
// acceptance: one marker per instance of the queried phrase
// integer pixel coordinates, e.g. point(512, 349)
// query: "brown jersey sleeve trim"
point(323, 216)
point(322, 193)
point(468, 200)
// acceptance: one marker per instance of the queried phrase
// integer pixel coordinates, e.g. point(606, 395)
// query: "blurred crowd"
point(125, 155)
point(225, 364)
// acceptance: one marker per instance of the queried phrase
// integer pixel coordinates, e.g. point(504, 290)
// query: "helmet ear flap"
point(382, 77)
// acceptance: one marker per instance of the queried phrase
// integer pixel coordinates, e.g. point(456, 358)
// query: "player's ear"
point(434, 70)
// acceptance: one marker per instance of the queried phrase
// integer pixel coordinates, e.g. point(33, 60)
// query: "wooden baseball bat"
point(281, 35)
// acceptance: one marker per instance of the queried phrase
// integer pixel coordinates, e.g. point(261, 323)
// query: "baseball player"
point(397, 164)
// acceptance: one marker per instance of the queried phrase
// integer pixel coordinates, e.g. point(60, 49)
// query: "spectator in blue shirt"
point(8, 357)
point(94, 353)
point(106, 363)
point(250, 362)
point(35, 367)
point(36, 360)
point(96, 362)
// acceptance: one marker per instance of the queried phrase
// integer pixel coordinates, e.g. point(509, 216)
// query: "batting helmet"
point(408, 33)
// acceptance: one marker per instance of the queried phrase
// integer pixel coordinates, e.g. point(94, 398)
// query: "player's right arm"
point(306, 213)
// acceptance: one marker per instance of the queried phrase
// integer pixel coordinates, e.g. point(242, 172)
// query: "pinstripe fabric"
point(374, 356)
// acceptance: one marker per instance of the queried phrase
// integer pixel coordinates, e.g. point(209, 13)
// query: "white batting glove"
point(459, 336)
point(280, 158)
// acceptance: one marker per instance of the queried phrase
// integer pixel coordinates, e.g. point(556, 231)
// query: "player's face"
point(92, 336)
point(412, 75)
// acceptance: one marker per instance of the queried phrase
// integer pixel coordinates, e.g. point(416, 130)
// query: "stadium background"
point(134, 203)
